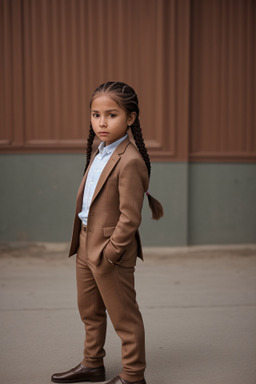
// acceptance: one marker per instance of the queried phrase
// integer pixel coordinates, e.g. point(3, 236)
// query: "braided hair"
point(126, 98)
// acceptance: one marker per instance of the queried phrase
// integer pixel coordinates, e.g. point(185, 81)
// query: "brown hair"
point(126, 98)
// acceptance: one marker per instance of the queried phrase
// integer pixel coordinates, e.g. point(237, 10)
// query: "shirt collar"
point(109, 149)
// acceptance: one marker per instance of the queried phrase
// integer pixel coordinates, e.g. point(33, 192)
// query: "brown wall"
point(191, 62)
point(223, 80)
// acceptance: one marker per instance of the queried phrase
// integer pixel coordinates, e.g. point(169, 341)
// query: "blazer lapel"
point(109, 166)
point(105, 173)
point(79, 199)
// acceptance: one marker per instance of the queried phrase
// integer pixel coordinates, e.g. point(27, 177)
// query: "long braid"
point(138, 137)
point(89, 147)
point(155, 205)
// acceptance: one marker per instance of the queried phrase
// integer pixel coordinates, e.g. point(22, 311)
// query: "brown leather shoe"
point(120, 380)
point(80, 373)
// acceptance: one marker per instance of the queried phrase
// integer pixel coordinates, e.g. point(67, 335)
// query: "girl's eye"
point(112, 115)
point(95, 115)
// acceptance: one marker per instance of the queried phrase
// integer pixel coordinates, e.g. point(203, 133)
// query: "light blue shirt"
point(94, 173)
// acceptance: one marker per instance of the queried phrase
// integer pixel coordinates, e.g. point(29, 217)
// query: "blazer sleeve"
point(133, 183)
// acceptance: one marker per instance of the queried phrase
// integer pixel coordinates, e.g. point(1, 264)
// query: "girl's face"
point(109, 121)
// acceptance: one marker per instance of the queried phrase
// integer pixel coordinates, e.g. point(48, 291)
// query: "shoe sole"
point(92, 380)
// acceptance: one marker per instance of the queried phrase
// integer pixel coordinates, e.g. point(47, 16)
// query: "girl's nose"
point(102, 122)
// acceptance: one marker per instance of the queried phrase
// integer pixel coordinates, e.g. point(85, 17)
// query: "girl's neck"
point(121, 138)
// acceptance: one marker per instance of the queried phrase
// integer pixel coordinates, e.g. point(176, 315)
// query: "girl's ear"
point(131, 118)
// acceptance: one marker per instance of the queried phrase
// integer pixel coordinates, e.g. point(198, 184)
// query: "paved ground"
point(198, 303)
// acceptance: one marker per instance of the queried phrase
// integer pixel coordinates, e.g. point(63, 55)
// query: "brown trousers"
point(110, 287)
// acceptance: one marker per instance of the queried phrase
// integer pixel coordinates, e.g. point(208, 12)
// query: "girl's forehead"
point(104, 102)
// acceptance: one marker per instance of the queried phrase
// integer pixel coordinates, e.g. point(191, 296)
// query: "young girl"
point(106, 238)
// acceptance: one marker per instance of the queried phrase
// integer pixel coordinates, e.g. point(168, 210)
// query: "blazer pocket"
point(107, 231)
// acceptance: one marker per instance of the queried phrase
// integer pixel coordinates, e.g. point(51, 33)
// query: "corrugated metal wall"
point(223, 79)
point(191, 62)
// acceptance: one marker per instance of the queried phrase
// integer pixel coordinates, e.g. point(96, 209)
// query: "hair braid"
point(89, 147)
point(138, 137)
point(155, 205)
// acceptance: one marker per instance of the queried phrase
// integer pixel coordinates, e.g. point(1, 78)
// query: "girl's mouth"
point(103, 133)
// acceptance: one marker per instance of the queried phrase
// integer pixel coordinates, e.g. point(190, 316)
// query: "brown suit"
point(112, 233)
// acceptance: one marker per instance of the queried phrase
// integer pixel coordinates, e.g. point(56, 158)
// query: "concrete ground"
point(198, 304)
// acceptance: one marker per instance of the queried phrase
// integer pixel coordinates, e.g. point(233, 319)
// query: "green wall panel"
point(222, 203)
point(203, 203)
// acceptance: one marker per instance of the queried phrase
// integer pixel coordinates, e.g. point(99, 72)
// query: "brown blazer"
point(115, 210)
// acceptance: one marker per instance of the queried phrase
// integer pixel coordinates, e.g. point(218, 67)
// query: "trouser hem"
point(89, 364)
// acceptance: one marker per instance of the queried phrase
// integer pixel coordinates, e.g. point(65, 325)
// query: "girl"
point(106, 238)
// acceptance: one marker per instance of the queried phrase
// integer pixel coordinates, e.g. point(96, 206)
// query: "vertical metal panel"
point(182, 78)
point(52, 73)
point(11, 89)
point(72, 46)
point(5, 63)
point(223, 114)
point(191, 62)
